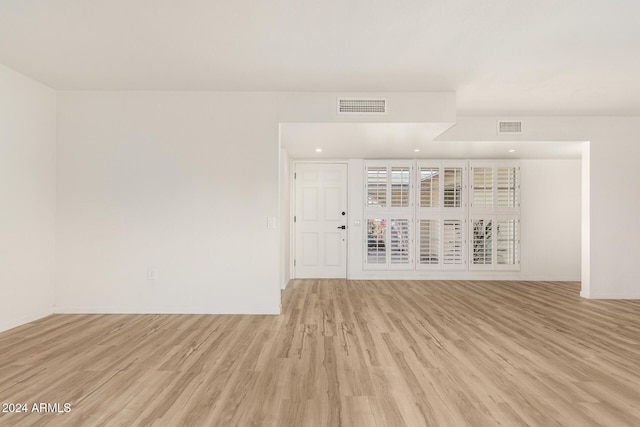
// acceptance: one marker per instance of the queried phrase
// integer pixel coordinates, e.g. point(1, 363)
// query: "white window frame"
point(388, 213)
point(441, 165)
point(494, 166)
point(494, 265)
point(494, 214)
point(466, 213)
point(385, 242)
point(440, 219)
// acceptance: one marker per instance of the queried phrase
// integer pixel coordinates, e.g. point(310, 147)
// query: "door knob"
point(342, 227)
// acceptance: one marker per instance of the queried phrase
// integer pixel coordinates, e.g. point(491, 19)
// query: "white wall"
point(285, 219)
point(27, 198)
point(610, 212)
point(614, 198)
point(585, 290)
point(182, 183)
point(550, 215)
point(550, 212)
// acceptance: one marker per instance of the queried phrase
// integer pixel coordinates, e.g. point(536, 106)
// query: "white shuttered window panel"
point(376, 243)
point(441, 242)
point(400, 186)
point(495, 187)
point(429, 178)
point(482, 187)
point(453, 244)
point(400, 236)
point(429, 242)
point(508, 187)
point(508, 241)
point(377, 184)
point(389, 213)
point(482, 242)
point(453, 186)
point(433, 215)
point(442, 187)
point(495, 243)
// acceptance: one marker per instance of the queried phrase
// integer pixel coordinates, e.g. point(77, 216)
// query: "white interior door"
point(320, 220)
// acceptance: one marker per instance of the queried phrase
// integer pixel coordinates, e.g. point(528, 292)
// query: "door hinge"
point(295, 175)
point(294, 218)
point(294, 262)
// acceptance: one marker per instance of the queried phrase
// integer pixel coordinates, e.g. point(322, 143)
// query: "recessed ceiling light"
point(416, 150)
point(318, 150)
point(512, 151)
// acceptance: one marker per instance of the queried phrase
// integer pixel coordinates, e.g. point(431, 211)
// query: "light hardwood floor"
point(357, 353)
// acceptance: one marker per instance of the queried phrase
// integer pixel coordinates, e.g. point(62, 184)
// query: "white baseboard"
point(14, 323)
point(618, 296)
point(495, 276)
point(163, 310)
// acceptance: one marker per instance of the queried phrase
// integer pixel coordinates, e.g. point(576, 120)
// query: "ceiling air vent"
point(509, 127)
point(362, 106)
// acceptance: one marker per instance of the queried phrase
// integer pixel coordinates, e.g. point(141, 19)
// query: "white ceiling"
point(399, 140)
point(572, 57)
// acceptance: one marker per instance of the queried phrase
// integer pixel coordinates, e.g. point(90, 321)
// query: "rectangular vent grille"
point(509, 127)
point(362, 106)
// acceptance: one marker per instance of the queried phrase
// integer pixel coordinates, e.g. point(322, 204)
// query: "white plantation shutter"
point(453, 186)
point(389, 243)
point(441, 243)
point(389, 215)
point(400, 186)
point(482, 187)
point(429, 178)
point(494, 231)
point(495, 243)
point(376, 242)
point(507, 187)
point(482, 242)
point(428, 242)
point(377, 183)
point(440, 215)
point(400, 237)
point(419, 215)
point(441, 186)
point(453, 244)
point(495, 187)
point(388, 185)
point(508, 241)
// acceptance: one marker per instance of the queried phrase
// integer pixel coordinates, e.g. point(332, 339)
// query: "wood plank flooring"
point(344, 353)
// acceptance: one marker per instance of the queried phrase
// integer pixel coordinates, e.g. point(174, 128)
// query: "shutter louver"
point(452, 187)
point(507, 187)
point(400, 187)
point(482, 187)
point(376, 186)
point(429, 250)
point(399, 241)
point(453, 242)
point(429, 187)
point(482, 241)
point(376, 241)
point(507, 239)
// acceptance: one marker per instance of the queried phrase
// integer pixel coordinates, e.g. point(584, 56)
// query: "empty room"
point(319, 213)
